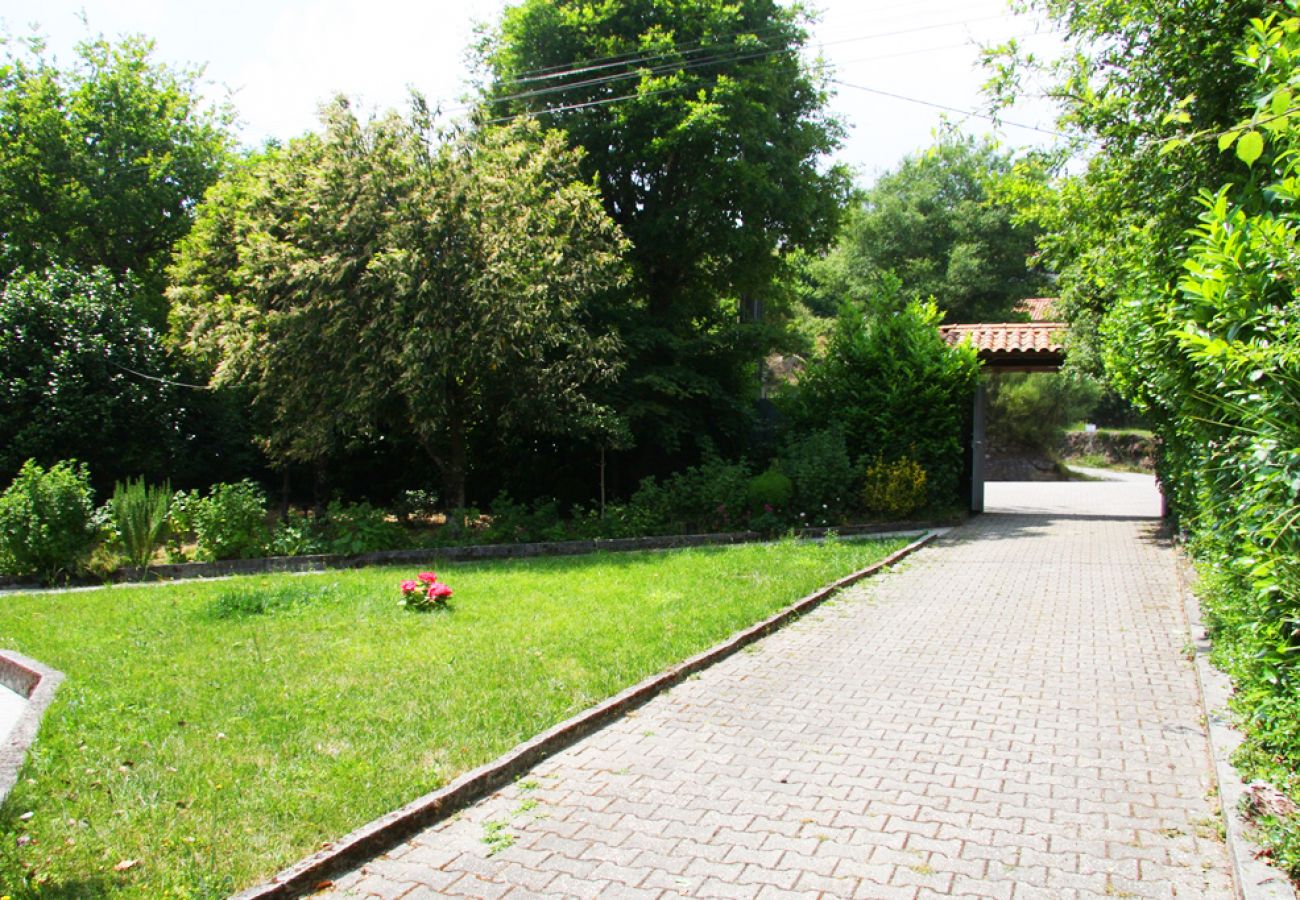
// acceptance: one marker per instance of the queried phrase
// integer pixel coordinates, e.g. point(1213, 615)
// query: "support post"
point(979, 418)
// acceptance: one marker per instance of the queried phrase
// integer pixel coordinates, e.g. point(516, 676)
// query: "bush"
point(295, 535)
point(512, 521)
point(360, 528)
point(822, 475)
point(230, 522)
point(47, 521)
point(770, 491)
point(140, 516)
point(894, 489)
point(712, 496)
point(892, 385)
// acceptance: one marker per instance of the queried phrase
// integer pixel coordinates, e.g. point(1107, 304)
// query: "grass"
point(209, 734)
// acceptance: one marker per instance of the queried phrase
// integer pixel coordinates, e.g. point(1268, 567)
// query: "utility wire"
point(167, 381)
point(953, 109)
point(627, 61)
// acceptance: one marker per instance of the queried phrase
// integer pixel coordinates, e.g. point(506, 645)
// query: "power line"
point(953, 109)
point(627, 61)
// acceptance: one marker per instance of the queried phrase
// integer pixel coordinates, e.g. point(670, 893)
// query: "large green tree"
point(945, 225)
point(1132, 69)
point(102, 161)
point(706, 133)
point(371, 280)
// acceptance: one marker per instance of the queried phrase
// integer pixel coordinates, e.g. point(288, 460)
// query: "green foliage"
point(140, 515)
point(46, 521)
point(1138, 74)
point(894, 388)
point(229, 523)
point(893, 489)
point(102, 161)
point(351, 528)
point(712, 496)
point(295, 534)
point(1213, 357)
point(260, 599)
point(1031, 410)
point(372, 280)
point(710, 165)
point(771, 490)
point(514, 521)
point(946, 223)
point(821, 474)
point(69, 344)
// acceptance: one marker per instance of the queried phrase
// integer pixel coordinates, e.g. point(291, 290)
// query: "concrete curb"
point(308, 875)
point(1255, 878)
point(37, 683)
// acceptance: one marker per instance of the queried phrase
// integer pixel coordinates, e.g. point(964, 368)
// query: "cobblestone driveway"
point(1007, 715)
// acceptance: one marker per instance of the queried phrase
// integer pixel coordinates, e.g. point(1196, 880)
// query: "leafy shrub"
point(821, 473)
point(893, 386)
point(230, 522)
point(512, 521)
point(709, 497)
point(46, 521)
point(893, 489)
point(359, 528)
point(770, 491)
point(295, 535)
point(140, 517)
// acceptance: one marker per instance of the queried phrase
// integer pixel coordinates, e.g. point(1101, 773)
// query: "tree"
point(364, 280)
point(941, 224)
point(1135, 71)
point(102, 162)
point(704, 130)
point(79, 378)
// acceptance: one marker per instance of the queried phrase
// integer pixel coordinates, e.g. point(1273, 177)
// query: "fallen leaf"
point(126, 864)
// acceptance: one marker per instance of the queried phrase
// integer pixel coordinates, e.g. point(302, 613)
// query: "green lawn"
point(213, 743)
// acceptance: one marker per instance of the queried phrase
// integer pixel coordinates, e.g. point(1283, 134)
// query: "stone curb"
point(37, 683)
point(1255, 879)
point(323, 562)
point(368, 841)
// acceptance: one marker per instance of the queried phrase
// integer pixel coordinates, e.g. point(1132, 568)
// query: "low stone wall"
point(322, 562)
point(1118, 447)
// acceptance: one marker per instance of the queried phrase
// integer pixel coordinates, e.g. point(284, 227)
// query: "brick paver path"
point(1008, 715)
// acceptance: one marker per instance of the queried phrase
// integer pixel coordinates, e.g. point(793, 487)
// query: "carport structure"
point(1035, 346)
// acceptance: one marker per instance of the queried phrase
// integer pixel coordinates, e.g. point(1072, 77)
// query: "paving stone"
point(1008, 715)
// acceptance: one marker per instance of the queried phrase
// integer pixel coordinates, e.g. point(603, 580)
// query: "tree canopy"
point(102, 162)
point(943, 223)
point(369, 279)
point(705, 133)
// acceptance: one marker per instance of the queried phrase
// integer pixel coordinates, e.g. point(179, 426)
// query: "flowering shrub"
point(424, 591)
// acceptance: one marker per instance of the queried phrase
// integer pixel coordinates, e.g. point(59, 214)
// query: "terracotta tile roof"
point(1039, 309)
point(1009, 337)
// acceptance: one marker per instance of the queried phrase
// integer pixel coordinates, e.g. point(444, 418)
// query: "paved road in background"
point(1008, 715)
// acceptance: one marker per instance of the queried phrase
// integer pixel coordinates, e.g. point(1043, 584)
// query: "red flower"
point(410, 586)
point(438, 592)
point(428, 577)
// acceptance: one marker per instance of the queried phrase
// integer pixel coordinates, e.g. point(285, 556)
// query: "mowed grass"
point(210, 733)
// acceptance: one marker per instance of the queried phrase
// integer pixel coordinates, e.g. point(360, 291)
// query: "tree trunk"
point(450, 456)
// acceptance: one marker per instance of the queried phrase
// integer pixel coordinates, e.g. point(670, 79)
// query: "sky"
point(277, 60)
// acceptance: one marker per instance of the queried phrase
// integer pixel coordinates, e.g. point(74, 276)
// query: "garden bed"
point(211, 732)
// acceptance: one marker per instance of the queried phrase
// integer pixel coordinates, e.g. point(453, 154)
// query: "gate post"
point(978, 421)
